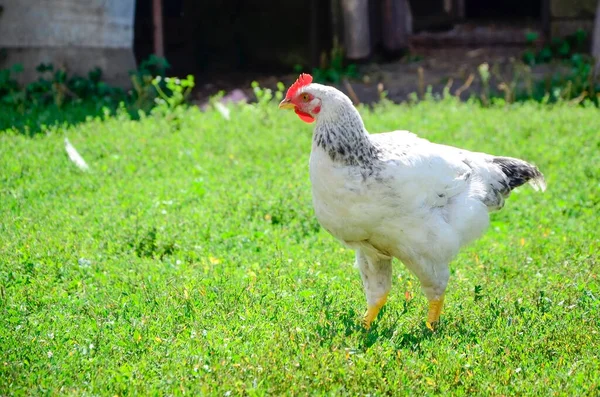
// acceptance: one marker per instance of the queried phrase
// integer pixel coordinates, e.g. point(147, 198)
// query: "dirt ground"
point(453, 67)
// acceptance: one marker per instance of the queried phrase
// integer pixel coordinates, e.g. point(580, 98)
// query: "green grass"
point(189, 261)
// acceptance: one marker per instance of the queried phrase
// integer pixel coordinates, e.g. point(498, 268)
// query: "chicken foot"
point(435, 310)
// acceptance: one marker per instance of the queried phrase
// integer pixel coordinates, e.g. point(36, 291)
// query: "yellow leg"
point(373, 311)
point(435, 309)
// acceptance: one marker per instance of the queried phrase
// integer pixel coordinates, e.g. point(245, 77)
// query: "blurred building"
point(229, 36)
point(72, 34)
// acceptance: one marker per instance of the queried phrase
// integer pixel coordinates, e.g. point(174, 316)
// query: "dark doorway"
point(235, 36)
point(503, 9)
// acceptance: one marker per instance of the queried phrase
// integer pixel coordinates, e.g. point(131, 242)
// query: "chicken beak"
point(286, 104)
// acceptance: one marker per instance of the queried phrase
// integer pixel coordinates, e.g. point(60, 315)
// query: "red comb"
point(304, 80)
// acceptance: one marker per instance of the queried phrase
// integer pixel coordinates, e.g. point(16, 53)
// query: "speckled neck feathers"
point(343, 137)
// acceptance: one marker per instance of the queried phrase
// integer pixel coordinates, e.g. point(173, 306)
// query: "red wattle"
point(307, 118)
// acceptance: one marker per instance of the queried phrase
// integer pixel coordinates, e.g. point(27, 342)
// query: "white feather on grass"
point(225, 112)
point(75, 157)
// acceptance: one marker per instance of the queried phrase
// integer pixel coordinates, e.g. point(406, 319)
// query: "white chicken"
point(397, 195)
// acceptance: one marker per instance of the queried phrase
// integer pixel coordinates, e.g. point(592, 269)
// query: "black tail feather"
point(519, 172)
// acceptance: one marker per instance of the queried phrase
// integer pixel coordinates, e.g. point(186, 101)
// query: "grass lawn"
point(188, 261)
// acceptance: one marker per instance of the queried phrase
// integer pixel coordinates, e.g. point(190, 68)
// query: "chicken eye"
point(305, 97)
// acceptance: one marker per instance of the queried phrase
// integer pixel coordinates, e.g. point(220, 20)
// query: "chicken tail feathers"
point(519, 172)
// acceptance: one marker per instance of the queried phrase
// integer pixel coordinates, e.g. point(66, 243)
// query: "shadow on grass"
point(411, 339)
point(33, 120)
point(348, 323)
